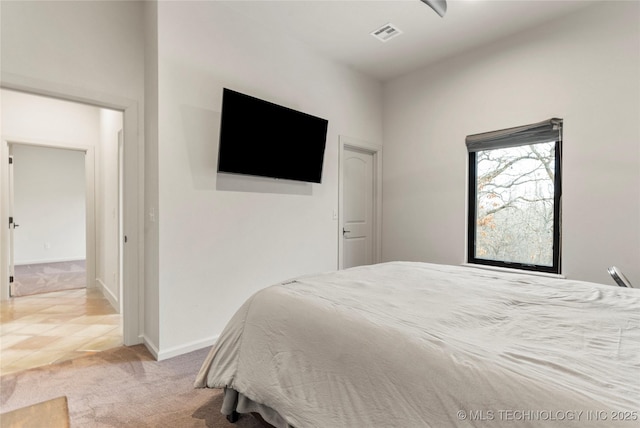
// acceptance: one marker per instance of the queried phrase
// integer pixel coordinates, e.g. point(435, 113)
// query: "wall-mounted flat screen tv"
point(264, 139)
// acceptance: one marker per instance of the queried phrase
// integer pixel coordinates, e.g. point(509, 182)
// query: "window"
point(514, 197)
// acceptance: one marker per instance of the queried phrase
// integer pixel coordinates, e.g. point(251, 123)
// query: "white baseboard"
point(37, 262)
point(150, 346)
point(113, 300)
point(183, 349)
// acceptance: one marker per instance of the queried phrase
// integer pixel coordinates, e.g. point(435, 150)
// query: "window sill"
point(510, 270)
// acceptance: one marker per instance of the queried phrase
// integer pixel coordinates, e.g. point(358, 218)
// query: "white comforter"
point(421, 345)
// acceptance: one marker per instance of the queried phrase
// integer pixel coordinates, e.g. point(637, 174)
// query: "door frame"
point(90, 211)
point(346, 142)
point(132, 197)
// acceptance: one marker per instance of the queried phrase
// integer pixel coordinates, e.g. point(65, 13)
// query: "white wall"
point(49, 204)
point(584, 69)
point(217, 247)
point(43, 119)
point(94, 45)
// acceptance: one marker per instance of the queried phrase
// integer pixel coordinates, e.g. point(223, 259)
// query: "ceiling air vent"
point(386, 32)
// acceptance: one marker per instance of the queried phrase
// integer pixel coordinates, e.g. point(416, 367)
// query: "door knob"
point(345, 231)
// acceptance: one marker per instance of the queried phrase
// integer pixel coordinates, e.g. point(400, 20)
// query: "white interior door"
point(59, 182)
point(12, 226)
point(358, 220)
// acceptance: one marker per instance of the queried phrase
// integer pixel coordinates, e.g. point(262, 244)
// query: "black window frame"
point(557, 221)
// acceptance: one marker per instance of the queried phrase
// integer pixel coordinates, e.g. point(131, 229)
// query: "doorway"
point(360, 203)
point(132, 191)
point(48, 132)
point(48, 219)
point(105, 257)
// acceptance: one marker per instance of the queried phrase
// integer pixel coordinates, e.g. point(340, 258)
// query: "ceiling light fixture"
point(440, 6)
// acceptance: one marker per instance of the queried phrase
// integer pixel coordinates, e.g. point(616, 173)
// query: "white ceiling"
point(341, 29)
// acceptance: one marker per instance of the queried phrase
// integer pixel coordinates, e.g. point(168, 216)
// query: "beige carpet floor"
point(48, 277)
point(123, 387)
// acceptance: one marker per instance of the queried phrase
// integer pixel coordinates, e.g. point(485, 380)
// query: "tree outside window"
point(514, 198)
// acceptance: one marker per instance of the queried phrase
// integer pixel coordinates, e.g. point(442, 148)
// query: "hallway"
point(53, 327)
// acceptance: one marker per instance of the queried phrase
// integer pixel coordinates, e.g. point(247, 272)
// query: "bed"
point(405, 344)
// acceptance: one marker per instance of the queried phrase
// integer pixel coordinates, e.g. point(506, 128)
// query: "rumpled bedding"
point(407, 344)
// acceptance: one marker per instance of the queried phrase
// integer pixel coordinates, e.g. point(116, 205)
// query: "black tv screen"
point(264, 139)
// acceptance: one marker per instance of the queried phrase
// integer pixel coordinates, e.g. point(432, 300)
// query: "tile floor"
point(54, 327)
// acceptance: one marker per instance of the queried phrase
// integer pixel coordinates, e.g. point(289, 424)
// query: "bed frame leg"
point(233, 417)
